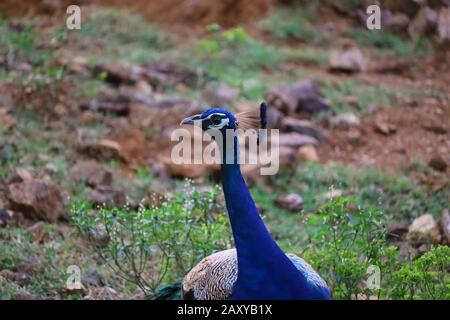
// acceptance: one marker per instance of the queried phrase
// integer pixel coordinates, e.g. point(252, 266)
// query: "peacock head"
point(222, 119)
point(213, 119)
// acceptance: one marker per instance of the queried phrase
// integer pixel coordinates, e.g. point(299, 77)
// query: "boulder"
point(424, 23)
point(299, 97)
point(91, 174)
point(307, 153)
point(302, 127)
point(344, 121)
point(103, 150)
point(36, 199)
point(6, 121)
point(394, 21)
point(296, 140)
point(348, 59)
point(223, 95)
point(291, 202)
point(424, 228)
point(108, 196)
point(445, 225)
point(438, 163)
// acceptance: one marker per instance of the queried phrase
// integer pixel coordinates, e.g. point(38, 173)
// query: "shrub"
point(152, 246)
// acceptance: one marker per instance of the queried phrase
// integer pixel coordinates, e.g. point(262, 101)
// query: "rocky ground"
point(87, 115)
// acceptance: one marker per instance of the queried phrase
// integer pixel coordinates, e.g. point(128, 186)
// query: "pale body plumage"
point(213, 277)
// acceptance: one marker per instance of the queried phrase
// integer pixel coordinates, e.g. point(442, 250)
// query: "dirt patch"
point(192, 12)
point(393, 138)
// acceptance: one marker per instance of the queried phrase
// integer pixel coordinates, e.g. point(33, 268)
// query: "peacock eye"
point(216, 119)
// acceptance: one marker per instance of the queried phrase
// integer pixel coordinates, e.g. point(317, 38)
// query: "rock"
point(99, 237)
point(302, 127)
point(333, 193)
point(424, 228)
point(24, 295)
point(6, 121)
point(307, 153)
point(117, 73)
point(397, 229)
point(78, 65)
point(103, 150)
point(223, 95)
point(348, 59)
point(168, 74)
point(295, 140)
point(424, 23)
point(300, 97)
point(394, 21)
point(291, 202)
point(344, 121)
point(21, 278)
point(108, 196)
point(443, 25)
point(38, 232)
point(286, 156)
point(118, 106)
point(91, 174)
point(191, 171)
point(445, 225)
point(37, 199)
point(438, 163)
point(384, 127)
point(405, 249)
point(423, 248)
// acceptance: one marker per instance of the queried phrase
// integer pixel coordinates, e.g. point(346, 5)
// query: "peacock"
point(257, 269)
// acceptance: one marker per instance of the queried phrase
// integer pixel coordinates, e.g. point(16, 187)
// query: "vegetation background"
point(85, 119)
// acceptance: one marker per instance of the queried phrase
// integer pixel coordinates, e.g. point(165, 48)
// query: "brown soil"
point(169, 12)
point(421, 132)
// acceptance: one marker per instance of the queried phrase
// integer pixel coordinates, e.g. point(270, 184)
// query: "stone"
point(348, 59)
point(38, 232)
point(307, 153)
point(292, 202)
point(223, 95)
point(394, 21)
point(108, 196)
point(344, 121)
point(438, 163)
point(91, 174)
point(300, 97)
point(424, 23)
point(443, 25)
point(384, 127)
point(424, 228)
point(296, 140)
point(6, 121)
point(36, 199)
point(444, 222)
point(302, 127)
point(103, 150)
point(397, 229)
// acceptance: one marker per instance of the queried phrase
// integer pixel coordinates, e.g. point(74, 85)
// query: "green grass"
point(292, 24)
point(111, 34)
point(367, 96)
point(387, 42)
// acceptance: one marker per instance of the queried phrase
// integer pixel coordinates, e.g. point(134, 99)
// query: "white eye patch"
point(218, 120)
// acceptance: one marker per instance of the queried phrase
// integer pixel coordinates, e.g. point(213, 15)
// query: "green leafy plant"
point(345, 241)
point(425, 278)
point(152, 246)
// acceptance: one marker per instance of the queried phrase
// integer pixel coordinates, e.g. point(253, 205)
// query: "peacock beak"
point(191, 119)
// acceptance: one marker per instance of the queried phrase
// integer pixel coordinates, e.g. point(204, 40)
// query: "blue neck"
point(264, 271)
